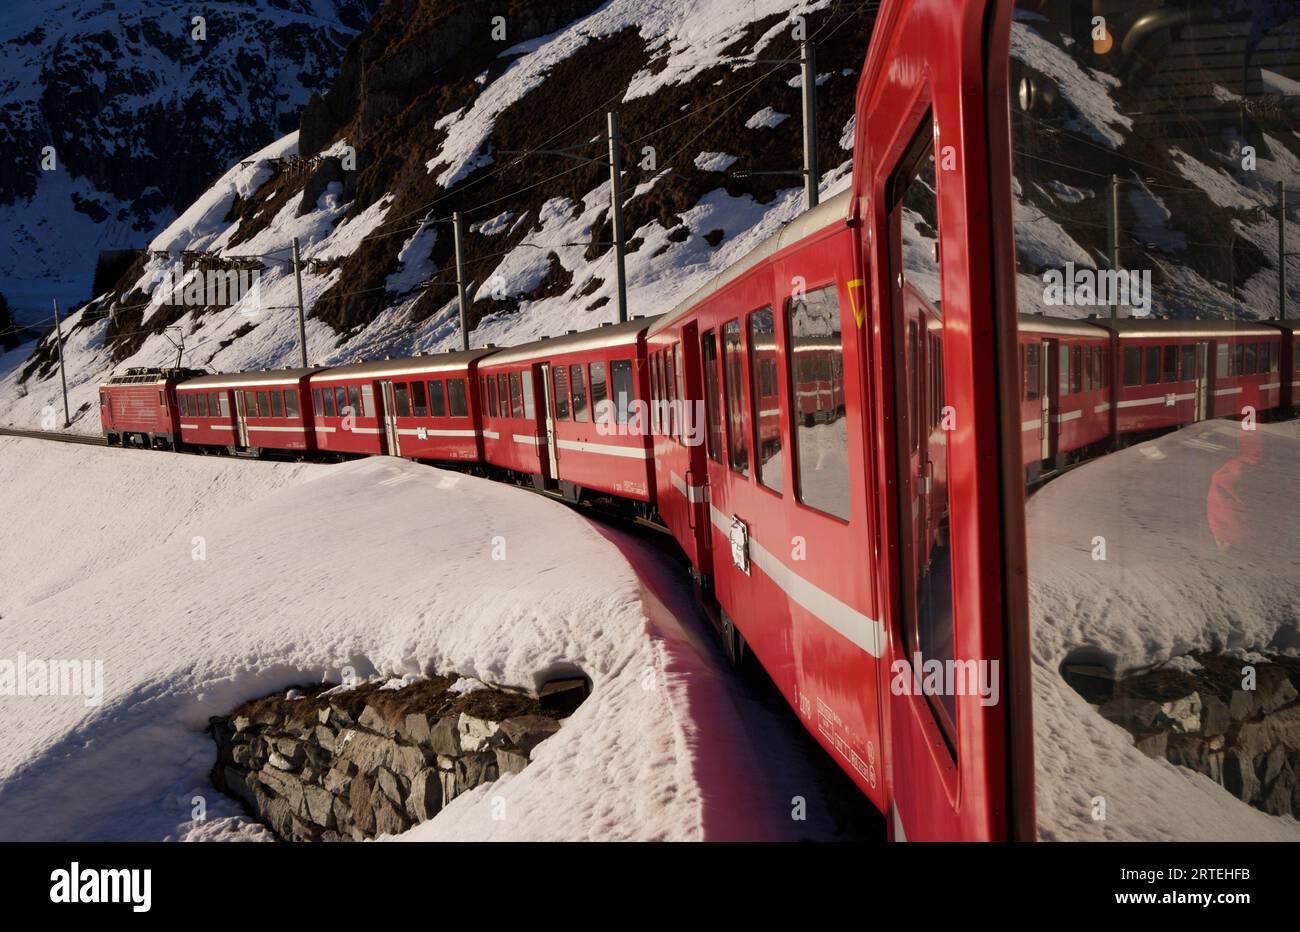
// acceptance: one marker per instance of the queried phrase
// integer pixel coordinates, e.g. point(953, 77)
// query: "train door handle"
point(925, 477)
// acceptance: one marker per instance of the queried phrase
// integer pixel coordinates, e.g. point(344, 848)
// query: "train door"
point(697, 472)
point(1049, 403)
point(241, 418)
point(391, 435)
point(548, 412)
point(1203, 380)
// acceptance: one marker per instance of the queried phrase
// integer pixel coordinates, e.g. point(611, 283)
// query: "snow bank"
point(1178, 578)
point(382, 565)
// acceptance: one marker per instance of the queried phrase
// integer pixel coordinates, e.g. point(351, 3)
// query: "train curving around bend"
point(839, 430)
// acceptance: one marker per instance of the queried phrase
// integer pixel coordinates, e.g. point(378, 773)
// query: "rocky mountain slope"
point(115, 115)
point(446, 105)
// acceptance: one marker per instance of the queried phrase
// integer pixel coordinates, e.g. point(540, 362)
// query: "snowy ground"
point(388, 567)
point(1202, 542)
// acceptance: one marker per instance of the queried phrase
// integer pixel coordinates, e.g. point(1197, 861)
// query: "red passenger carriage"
point(423, 407)
point(250, 411)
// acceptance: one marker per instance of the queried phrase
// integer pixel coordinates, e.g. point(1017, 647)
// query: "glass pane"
point(263, 405)
point(527, 385)
point(419, 400)
point(402, 399)
point(341, 401)
point(1150, 144)
point(709, 352)
point(327, 396)
point(766, 406)
point(620, 382)
point(291, 403)
point(561, 387)
point(354, 400)
point(516, 399)
point(457, 400)
point(821, 441)
point(437, 401)
point(578, 387)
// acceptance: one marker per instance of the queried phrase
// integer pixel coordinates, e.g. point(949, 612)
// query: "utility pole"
point(458, 236)
point(616, 210)
point(302, 317)
point(58, 341)
point(807, 59)
point(1281, 251)
point(1114, 234)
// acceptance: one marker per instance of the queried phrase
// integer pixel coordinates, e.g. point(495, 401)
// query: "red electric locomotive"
point(139, 407)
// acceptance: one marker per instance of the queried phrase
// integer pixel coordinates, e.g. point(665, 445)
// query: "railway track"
point(55, 435)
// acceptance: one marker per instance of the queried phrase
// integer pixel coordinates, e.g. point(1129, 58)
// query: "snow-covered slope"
point(1165, 590)
point(379, 281)
point(385, 566)
point(142, 110)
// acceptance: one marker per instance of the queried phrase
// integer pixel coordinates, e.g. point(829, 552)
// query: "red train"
point(828, 429)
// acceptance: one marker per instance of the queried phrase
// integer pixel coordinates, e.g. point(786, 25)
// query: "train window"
point(681, 385)
point(526, 383)
point(1153, 365)
point(291, 403)
point(419, 400)
point(162, 397)
point(354, 400)
point(815, 395)
point(1132, 366)
point(560, 382)
point(437, 401)
point(670, 388)
point(1171, 364)
point(733, 374)
point(503, 394)
point(621, 387)
point(212, 404)
point(1222, 360)
point(1097, 381)
point(483, 392)
point(914, 422)
point(1187, 370)
point(709, 352)
point(402, 399)
point(457, 398)
point(516, 397)
point(341, 401)
point(1249, 368)
point(327, 396)
point(1033, 371)
point(315, 394)
point(578, 386)
point(225, 404)
point(1076, 369)
point(277, 404)
point(765, 406)
point(492, 408)
point(599, 392)
point(1273, 351)
point(367, 401)
point(263, 405)
point(1239, 359)
point(922, 488)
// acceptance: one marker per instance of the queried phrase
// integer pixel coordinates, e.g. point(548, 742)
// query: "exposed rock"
point(510, 761)
point(389, 819)
point(527, 731)
point(475, 733)
point(414, 729)
point(425, 798)
point(1131, 713)
point(444, 737)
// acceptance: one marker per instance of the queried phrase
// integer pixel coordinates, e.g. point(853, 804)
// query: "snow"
point(714, 161)
point(1179, 577)
point(766, 118)
point(1086, 91)
point(402, 584)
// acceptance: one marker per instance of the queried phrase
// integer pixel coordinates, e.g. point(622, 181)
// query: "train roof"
point(1164, 327)
point(140, 375)
point(824, 215)
point(246, 379)
point(406, 365)
point(1041, 323)
point(599, 338)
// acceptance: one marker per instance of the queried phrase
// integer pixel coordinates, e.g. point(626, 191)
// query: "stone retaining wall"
point(320, 764)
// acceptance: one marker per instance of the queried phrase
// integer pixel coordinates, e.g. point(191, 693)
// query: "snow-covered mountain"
point(433, 105)
point(116, 114)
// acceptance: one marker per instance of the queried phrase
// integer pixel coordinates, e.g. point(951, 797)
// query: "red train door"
point(921, 173)
point(1202, 380)
point(696, 478)
point(1049, 394)
point(241, 419)
point(548, 414)
point(392, 439)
